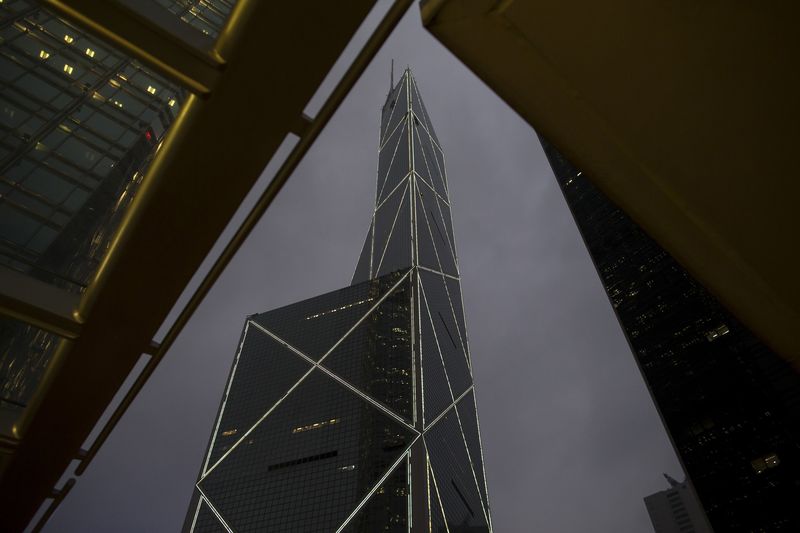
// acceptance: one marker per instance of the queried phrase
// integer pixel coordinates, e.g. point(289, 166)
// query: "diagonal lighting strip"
point(426, 118)
point(391, 231)
point(394, 108)
point(214, 510)
point(483, 462)
point(436, 487)
point(421, 178)
point(429, 269)
point(380, 482)
point(461, 335)
point(388, 137)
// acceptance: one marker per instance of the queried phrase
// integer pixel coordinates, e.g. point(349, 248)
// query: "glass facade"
point(341, 407)
point(80, 124)
point(730, 405)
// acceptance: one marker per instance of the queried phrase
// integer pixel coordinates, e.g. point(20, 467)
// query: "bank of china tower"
point(354, 411)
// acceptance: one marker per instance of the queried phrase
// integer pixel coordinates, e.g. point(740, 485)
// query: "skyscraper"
point(730, 405)
point(676, 510)
point(355, 410)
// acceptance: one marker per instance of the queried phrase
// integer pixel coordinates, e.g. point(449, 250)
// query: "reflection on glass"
point(80, 124)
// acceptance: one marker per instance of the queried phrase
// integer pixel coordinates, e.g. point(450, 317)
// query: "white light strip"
point(472, 464)
point(214, 510)
point(436, 487)
point(449, 408)
point(381, 185)
point(399, 184)
point(437, 272)
point(438, 348)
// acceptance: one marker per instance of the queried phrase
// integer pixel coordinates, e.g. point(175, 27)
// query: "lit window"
point(717, 332)
point(114, 83)
point(90, 52)
point(68, 39)
point(43, 54)
point(68, 69)
point(230, 432)
point(760, 464)
point(117, 103)
point(151, 89)
point(316, 425)
point(171, 102)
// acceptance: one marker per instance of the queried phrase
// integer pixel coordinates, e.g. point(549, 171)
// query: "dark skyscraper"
point(730, 405)
point(354, 411)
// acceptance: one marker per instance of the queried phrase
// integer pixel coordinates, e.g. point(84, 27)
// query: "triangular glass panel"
point(426, 252)
point(399, 109)
point(385, 218)
point(308, 464)
point(432, 168)
point(386, 156)
point(436, 514)
point(458, 491)
point(376, 357)
point(455, 361)
point(467, 414)
point(454, 291)
point(206, 521)
point(444, 250)
point(363, 267)
point(313, 326)
point(416, 95)
point(397, 255)
point(398, 168)
point(262, 373)
point(387, 509)
point(435, 388)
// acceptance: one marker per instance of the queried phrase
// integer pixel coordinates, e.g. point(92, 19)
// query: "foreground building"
point(355, 410)
point(731, 405)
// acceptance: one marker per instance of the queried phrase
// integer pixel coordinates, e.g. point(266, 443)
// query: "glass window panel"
point(425, 117)
point(385, 218)
point(435, 388)
point(450, 465)
point(397, 254)
point(206, 521)
point(308, 464)
point(468, 417)
point(313, 326)
point(25, 352)
point(441, 315)
point(387, 509)
point(399, 166)
point(385, 157)
point(376, 357)
point(436, 516)
point(426, 253)
point(364, 265)
point(454, 292)
point(263, 372)
point(441, 241)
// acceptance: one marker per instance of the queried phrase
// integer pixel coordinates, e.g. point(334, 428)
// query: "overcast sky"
point(571, 440)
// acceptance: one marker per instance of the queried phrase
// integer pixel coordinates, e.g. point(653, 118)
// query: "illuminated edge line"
point(449, 408)
point(483, 461)
point(428, 167)
point(380, 482)
point(317, 364)
point(214, 510)
point(429, 269)
point(391, 115)
point(422, 106)
point(436, 487)
point(461, 339)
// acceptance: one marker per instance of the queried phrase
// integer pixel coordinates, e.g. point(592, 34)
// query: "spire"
point(411, 225)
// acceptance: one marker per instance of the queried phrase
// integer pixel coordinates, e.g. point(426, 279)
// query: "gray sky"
point(571, 439)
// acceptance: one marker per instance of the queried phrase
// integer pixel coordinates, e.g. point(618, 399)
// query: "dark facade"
point(730, 405)
point(80, 124)
point(354, 411)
